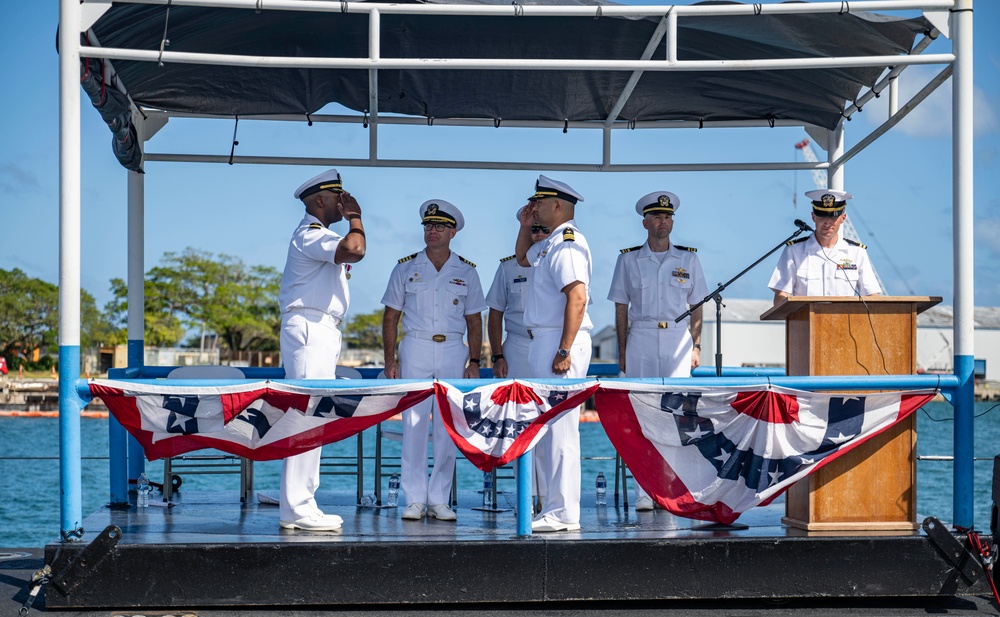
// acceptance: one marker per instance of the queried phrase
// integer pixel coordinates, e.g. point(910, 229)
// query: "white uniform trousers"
point(421, 359)
point(658, 352)
point(515, 352)
point(310, 348)
point(558, 452)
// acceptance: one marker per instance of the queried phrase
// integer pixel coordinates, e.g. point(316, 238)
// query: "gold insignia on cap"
point(431, 210)
point(664, 201)
point(828, 200)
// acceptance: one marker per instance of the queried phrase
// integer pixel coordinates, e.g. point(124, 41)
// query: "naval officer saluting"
point(506, 299)
point(559, 332)
point(652, 285)
point(824, 264)
point(314, 298)
point(439, 296)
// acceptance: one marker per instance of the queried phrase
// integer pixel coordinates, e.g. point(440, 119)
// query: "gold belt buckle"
point(439, 338)
point(663, 324)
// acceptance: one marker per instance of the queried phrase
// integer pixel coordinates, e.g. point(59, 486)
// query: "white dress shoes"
point(644, 504)
point(415, 512)
point(546, 524)
point(441, 512)
point(314, 522)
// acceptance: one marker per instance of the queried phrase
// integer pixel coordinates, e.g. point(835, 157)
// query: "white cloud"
point(932, 118)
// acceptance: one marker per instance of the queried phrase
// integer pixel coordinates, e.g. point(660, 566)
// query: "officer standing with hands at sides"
point(439, 296)
point(313, 299)
point(559, 333)
point(824, 264)
point(652, 285)
point(506, 299)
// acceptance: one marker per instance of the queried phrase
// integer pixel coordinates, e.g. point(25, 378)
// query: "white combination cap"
point(658, 201)
point(547, 187)
point(329, 180)
point(828, 202)
point(441, 211)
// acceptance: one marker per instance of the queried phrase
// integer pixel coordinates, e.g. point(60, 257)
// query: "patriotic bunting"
point(495, 424)
point(702, 453)
point(260, 421)
point(713, 453)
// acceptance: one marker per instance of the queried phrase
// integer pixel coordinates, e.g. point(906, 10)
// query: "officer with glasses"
point(824, 264)
point(438, 295)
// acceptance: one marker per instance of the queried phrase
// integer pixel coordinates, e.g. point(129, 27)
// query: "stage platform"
point(209, 551)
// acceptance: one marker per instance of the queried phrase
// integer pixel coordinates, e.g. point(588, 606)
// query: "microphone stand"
point(717, 296)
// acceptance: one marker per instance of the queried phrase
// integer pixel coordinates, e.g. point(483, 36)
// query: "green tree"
point(364, 330)
point(163, 326)
point(29, 317)
point(196, 289)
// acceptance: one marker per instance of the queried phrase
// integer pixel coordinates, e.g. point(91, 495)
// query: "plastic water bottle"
point(393, 500)
point(602, 489)
point(142, 489)
point(487, 489)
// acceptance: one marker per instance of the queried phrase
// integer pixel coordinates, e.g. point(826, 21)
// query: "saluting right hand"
point(528, 214)
point(349, 206)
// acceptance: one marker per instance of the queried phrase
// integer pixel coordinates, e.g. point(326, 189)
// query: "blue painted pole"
point(70, 470)
point(524, 472)
point(964, 443)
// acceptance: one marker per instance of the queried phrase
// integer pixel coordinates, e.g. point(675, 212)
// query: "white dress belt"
point(314, 313)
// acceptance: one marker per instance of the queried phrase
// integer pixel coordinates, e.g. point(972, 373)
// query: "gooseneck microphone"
point(802, 225)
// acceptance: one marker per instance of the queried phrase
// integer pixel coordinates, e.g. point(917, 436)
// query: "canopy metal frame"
point(952, 18)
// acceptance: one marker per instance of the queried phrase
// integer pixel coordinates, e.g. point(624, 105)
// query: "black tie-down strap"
point(74, 570)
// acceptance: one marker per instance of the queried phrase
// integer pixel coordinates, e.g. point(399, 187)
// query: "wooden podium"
point(872, 487)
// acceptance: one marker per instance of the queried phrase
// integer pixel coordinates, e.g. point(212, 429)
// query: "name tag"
point(521, 279)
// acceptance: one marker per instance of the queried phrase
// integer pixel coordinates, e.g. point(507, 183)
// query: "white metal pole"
point(136, 301)
point(834, 150)
point(893, 96)
point(70, 471)
point(962, 247)
point(374, 45)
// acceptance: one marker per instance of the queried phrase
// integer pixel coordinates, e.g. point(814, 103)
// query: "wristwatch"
point(697, 346)
point(476, 360)
point(564, 353)
point(496, 357)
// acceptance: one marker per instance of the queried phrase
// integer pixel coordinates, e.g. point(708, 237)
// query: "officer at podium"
point(824, 264)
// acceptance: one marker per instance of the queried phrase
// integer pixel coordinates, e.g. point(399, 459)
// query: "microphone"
point(801, 225)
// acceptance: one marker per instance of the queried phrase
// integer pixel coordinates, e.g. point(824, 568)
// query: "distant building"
point(748, 341)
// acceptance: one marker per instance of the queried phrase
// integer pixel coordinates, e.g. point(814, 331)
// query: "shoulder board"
point(568, 235)
point(629, 250)
point(854, 243)
point(315, 226)
point(466, 261)
point(507, 258)
point(797, 241)
point(685, 248)
point(407, 258)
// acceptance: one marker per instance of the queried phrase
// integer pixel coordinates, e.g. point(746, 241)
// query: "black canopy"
point(815, 96)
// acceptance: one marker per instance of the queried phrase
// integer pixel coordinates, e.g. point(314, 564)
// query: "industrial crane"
point(847, 230)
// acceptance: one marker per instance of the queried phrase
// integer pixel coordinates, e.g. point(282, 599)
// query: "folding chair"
point(207, 463)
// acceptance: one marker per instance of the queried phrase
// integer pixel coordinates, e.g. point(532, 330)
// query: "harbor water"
point(29, 470)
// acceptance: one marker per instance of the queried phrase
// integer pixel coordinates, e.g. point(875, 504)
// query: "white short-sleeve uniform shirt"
point(557, 261)
point(807, 269)
point(657, 287)
point(434, 301)
point(311, 279)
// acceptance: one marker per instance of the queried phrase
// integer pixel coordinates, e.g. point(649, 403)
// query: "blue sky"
point(902, 185)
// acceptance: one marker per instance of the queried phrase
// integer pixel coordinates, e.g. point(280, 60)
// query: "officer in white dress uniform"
point(313, 299)
point(559, 333)
point(652, 285)
point(439, 296)
point(824, 264)
point(506, 299)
